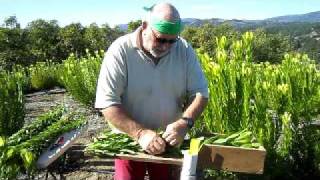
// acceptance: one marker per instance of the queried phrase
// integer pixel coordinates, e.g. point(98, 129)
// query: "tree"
point(43, 39)
point(97, 38)
point(270, 47)
point(11, 22)
point(133, 25)
point(13, 47)
point(72, 40)
point(204, 37)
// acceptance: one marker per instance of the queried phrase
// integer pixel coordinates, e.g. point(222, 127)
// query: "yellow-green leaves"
point(12, 113)
point(79, 76)
point(283, 88)
point(27, 157)
point(2, 141)
point(261, 97)
point(285, 140)
point(242, 138)
point(44, 75)
point(9, 153)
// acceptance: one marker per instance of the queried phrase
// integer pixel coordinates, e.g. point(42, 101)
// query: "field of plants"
point(274, 104)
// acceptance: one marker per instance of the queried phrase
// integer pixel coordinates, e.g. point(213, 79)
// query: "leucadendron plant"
point(275, 102)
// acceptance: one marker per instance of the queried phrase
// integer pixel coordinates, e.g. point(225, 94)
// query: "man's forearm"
point(196, 107)
point(118, 117)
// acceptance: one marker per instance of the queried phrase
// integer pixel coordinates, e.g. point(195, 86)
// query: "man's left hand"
point(175, 132)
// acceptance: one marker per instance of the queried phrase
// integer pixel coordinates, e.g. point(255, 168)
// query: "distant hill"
point(123, 27)
point(311, 17)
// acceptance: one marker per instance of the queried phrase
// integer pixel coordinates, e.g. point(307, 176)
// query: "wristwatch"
point(189, 121)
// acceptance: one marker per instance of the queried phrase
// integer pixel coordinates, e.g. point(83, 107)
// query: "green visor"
point(164, 26)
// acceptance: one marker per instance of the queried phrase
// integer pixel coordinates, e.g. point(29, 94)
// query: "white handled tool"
point(57, 149)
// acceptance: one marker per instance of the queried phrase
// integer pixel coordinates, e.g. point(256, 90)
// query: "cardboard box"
point(235, 159)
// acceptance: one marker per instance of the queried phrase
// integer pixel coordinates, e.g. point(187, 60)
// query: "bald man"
point(149, 80)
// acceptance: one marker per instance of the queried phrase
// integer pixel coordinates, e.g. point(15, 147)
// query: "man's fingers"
point(165, 135)
point(148, 151)
point(158, 147)
point(152, 149)
point(171, 137)
point(174, 139)
point(160, 141)
point(173, 142)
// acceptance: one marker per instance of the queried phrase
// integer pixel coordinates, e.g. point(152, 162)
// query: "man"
point(145, 79)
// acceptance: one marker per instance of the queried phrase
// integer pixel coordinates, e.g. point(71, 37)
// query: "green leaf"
point(10, 153)
point(27, 157)
point(220, 141)
point(2, 141)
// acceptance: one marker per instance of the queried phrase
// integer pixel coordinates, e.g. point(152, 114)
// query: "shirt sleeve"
point(112, 78)
point(197, 84)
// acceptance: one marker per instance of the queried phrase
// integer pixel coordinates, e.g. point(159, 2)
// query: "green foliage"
point(80, 76)
point(11, 101)
point(36, 126)
point(95, 37)
point(72, 40)
point(210, 174)
point(13, 48)
point(303, 36)
point(272, 101)
point(270, 47)
point(43, 39)
point(110, 144)
point(133, 25)
point(11, 22)
point(266, 46)
point(44, 75)
point(36, 138)
point(204, 37)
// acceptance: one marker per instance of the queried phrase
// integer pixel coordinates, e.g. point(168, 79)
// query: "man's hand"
point(175, 132)
point(151, 142)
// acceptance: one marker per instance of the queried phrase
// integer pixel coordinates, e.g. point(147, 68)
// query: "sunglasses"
point(164, 40)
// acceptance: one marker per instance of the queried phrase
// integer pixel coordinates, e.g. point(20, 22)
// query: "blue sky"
point(123, 11)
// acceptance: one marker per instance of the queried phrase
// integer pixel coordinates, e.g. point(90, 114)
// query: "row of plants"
point(78, 76)
point(275, 102)
point(12, 100)
point(20, 151)
point(44, 75)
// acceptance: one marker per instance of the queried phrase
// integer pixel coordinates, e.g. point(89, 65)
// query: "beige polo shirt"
point(153, 95)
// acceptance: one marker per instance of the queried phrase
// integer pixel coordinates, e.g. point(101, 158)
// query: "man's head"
point(160, 29)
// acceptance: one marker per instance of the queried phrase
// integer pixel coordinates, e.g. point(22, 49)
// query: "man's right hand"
point(151, 142)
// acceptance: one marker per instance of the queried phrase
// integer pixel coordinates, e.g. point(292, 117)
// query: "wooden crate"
point(151, 158)
point(229, 158)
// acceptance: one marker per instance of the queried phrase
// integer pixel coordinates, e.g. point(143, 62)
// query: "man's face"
point(159, 44)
